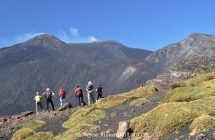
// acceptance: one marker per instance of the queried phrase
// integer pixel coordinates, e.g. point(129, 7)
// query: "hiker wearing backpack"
point(38, 101)
point(62, 95)
point(99, 91)
point(89, 89)
point(48, 95)
point(79, 95)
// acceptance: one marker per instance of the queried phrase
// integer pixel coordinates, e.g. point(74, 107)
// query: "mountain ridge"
point(116, 67)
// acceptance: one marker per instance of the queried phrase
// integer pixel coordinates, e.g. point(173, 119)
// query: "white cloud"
point(73, 36)
point(70, 36)
point(74, 32)
point(92, 39)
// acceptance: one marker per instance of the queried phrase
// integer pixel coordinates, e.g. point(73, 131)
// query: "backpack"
point(63, 93)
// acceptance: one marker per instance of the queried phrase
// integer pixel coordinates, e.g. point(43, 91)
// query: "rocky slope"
point(185, 111)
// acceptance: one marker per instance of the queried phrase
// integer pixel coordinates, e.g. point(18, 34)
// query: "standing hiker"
point(79, 95)
point(62, 95)
point(89, 89)
point(49, 94)
point(38, 101)
point(99, 90)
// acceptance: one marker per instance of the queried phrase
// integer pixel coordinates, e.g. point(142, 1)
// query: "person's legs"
point(88, 97)
point(97, 96)
point(40, 104)
point(47, 105)
point(82, 100)
point(100, 95)
point(92, 96)
point(52, 104)
point(36, 107)
point(61, 102)
point(79, 100)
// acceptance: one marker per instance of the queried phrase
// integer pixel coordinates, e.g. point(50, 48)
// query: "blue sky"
point(147, 24)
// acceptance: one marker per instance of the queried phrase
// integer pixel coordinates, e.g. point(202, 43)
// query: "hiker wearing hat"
point(38, 101)
point(89, 89)
point(48, 95)
point(79, 95)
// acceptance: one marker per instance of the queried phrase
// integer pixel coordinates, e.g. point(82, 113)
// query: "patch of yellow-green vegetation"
point(141, 92)
point(170, 117)
point(186, 94)
point(78, 132)
point(41, 136)
point(80, 123)
point(139, 102)
point(85, 116)
point(34, 124)
point(197, 81)
point(202, 123)
point(111, 101)
point(208, 84)
point(116, 100)
point(22, 134)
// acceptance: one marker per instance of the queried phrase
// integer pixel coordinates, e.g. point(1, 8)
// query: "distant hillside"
point(45, 61)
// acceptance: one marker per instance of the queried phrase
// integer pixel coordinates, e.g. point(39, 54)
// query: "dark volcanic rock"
point(64, 107)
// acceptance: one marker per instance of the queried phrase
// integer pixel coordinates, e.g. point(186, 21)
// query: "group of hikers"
point(48, 94)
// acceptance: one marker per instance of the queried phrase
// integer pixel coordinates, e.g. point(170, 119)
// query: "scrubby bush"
point(202, 123)
point(176, 85)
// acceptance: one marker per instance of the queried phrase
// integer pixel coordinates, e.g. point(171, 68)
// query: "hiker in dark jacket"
point(79, 95)
point(99, 91)
point(48, 95)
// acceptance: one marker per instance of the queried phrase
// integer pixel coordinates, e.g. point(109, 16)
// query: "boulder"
point(64, 107)
point(122, 129)
point(201, 136)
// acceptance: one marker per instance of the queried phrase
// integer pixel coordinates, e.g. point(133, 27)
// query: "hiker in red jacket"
point(62, 95)
point(79, 95)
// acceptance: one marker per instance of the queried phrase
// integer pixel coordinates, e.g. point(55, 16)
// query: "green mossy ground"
point(81, 123)
point(180, 108)
point(202, 123)
point(28, 132)
point(34, 124)
point(116, 100)
point(23, 133)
